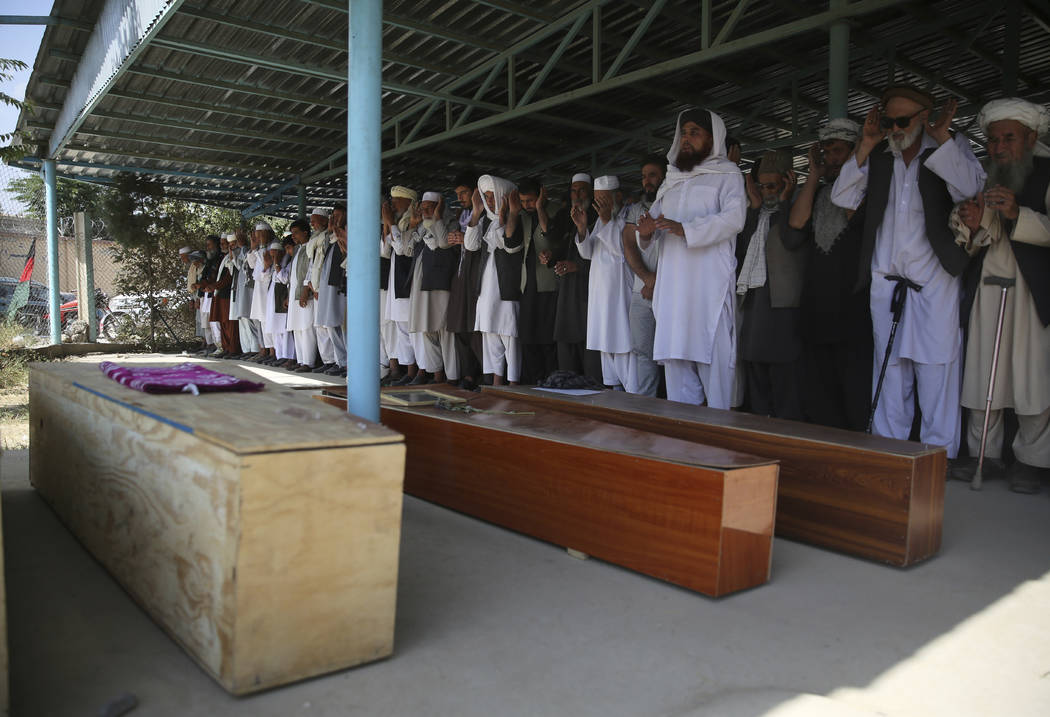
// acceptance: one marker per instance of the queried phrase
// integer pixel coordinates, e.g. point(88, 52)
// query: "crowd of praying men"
point(278, 303)
point(869, 298)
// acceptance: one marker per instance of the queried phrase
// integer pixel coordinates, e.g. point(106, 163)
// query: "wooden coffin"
point(260, 530)
point(868, 496)
point(697, 516)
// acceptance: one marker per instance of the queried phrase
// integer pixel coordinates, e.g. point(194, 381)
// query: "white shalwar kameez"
point(276, 324)
point(330, 305)
point(928, 343)
point(301, 318)
point(433, 345)
point(609, 303)
point(387, 327)
point(693, 300)
point(495, 318)
point(397, 310)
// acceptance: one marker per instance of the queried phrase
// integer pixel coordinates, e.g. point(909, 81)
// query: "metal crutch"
point(1004, 284)
point(900, 293)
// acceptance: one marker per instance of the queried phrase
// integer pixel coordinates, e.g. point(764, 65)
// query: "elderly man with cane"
point(912, 173)
point(1008, 348)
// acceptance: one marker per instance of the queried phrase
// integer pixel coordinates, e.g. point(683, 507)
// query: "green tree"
point(149, 228)
point(13, 140)
point(71, 196)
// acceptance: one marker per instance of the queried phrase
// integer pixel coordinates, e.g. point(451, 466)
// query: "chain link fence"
point(24, 252)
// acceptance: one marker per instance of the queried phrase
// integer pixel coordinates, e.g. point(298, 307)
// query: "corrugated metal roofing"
point(233, 99)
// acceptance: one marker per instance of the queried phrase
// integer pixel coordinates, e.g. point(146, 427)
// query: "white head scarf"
point(839, 128)
point(499, 187)
point(716, 162)
point(1027, 113)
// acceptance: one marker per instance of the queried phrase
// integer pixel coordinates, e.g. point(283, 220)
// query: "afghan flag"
point(20, 296)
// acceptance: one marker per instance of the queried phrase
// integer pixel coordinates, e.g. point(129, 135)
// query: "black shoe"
point(1027, 479)
point(422, 379)
point(323, 368)
point(964, 469)
point(404, 380)
point(334, 370)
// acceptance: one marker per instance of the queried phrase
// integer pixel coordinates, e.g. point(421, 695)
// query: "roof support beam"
point(721, 50)
point(206, 160)
point(221, 108)
point(44, 20)
point(123, 31)
point(548, 67)
point(734, 18)
point(635, 38)
point(246, 23)
point(171, 142)
point(247, 89)
point(248, 58)
point(288, 138)
point(149, 170)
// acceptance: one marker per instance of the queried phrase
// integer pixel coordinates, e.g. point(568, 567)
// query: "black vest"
point(937, 206)
point(1032, 260)
point(508, 264)
point(439, 265)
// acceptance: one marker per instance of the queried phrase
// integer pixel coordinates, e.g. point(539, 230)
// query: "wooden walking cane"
point(1005, 285)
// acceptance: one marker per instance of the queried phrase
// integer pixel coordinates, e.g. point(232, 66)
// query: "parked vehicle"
point(35, 314)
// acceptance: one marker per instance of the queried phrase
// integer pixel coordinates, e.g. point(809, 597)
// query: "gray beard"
point(1011, 175)
point(770, 203)
point(908, 141)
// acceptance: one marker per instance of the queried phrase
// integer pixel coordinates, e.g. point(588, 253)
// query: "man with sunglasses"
point(912, 172)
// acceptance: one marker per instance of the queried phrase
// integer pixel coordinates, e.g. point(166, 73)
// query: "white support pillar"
point(85, 274)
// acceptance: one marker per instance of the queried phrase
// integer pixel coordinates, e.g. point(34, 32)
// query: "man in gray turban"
point(1006, 226)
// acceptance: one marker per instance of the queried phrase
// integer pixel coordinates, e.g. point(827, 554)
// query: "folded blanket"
point(184, 378)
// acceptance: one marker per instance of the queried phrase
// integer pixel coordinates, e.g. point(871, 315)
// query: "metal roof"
point(238, 102)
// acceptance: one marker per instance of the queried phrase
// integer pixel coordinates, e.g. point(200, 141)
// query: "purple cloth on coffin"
point(184, 378)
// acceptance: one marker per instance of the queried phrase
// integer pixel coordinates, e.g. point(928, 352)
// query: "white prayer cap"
point(275, 246)
point(839, 128)
point(581, 177)
point(287, 233)
point(608, 182)
point(403, 193)
point(184, 250)
point(431, 197)
point(1027, 113)
point(263, 227)
point(321, 212)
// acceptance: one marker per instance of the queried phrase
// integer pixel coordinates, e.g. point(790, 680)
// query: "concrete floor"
point(496, 624)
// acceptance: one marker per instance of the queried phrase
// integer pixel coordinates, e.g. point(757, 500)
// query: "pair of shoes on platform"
point(323, 367)
point(219, 355)
point(335, 370)
point(963, 469)
point(303, 368)
point(422, 379)
point(391, 379)
point(468, 384)
point(1027, 479)
point(259, 357)
point(290, 364)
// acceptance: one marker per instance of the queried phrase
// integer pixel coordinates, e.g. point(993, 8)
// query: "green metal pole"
point(838, 65)
point(302, 201)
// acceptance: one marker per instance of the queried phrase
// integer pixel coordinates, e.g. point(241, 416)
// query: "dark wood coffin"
point(694, 515)
point(867, 496)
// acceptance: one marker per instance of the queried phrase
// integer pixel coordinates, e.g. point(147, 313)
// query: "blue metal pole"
point(51, 211)
point(364, 128)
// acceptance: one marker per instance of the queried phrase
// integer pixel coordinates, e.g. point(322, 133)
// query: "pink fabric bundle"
point(184, 378)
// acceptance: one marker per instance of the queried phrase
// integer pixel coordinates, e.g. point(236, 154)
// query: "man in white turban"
point(912, 171)
point(1006, 226)
point(836, 316)
point(699, 210)
point(609, 289)
point(495, 229)
point(401, 215)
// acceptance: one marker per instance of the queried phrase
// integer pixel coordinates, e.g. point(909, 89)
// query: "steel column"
point(302, 201)
point(51, 215)
point(364, 129)
point(838, 65)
